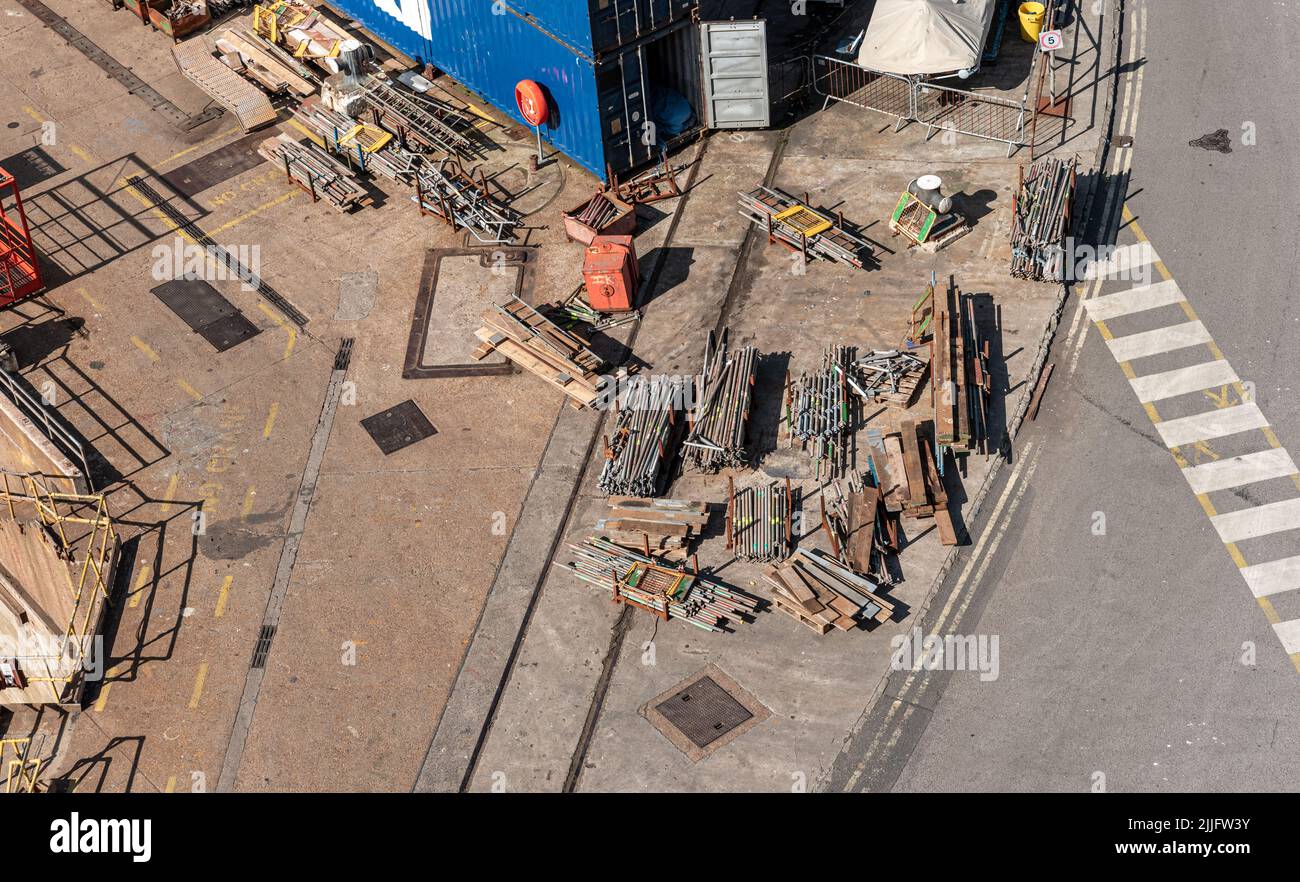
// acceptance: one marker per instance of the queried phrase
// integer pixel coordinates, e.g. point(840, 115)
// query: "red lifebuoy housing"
point(532, 102)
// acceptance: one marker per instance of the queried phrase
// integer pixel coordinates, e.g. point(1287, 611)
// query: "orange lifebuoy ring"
point(532, 102)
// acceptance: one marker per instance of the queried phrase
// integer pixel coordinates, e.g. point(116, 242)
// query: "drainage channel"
point(284, 572)
point(738, 277)
point(189, 228)
point(109, 65)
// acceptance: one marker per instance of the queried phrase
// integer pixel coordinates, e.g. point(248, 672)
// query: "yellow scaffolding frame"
point(20, 771)
point(57, 511)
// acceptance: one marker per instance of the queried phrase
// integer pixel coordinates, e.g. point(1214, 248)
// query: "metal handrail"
point(37, 411)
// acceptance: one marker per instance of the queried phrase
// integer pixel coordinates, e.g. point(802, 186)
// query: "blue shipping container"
point(598, 102)
point(595, 26)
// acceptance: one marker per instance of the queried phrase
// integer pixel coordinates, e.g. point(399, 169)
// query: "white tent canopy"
point(926, 36)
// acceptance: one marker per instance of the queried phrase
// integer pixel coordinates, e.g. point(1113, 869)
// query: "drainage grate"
point(703, 712)
point(109, 65)
point(398, 427)
point(211, 316)
point(343, 357)
point(219, 254)
point(263, 647)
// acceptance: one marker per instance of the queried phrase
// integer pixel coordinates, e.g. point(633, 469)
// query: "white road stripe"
point(1289, 634)
point(1273, 577)
point(1258, 520)
point(1137, 299)
point(1211, 424)
point(1160, 340)
point(1122, 261)
point(1238, 470)
point(1167, 384)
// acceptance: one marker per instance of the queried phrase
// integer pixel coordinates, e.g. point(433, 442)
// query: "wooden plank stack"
point(535, 343)
point(923, 494)
point(656, 524)
point(820, 592)
point(852, 519)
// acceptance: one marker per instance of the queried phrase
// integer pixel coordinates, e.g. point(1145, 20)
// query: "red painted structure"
point(20, 271)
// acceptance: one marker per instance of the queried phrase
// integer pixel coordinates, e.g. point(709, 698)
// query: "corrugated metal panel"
point(600, 25)
point(489, 52)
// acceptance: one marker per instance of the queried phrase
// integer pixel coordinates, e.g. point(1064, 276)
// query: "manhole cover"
point(704, 712)
point(398, 427)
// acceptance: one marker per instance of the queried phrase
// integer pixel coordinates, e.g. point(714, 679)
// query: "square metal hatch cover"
point(398, 427)
point(704, 712)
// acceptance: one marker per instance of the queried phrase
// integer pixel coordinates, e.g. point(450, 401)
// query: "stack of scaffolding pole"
point(761, 522)
point(818, 413)
point(722, 395)
point(637, 458)
point(706, 604)
point(1042, 221)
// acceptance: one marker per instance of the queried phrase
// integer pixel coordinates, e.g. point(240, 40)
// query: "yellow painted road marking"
point(83, 155)
point(145, 348)
point(30, 111)
point(249, 498)
point(171, 785)
point(171, 493)
point(284, 197)
point(270, 420)
point(1221, 401)
point(89, 299)
point(138, 592)
point(289, 329)
point(198, 685)
point(224, 595)
point(201, 144)
point(102, 701)
point(189, 390)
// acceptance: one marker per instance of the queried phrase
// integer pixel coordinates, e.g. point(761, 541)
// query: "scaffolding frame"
point(73, 520)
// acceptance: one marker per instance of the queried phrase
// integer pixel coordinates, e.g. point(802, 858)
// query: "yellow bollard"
point(1031, 21)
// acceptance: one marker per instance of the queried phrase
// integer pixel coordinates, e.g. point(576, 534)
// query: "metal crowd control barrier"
point(48, 420)
point(874, 90)
point(911, 99)
point(970, 113)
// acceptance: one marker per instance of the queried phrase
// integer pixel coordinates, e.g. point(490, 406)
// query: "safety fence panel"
point(970, 113)
point(839, 80)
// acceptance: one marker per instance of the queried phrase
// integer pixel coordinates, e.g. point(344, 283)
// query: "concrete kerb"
point(1101, 154)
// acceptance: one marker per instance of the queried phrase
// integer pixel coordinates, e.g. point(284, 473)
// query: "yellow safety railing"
point(83, 528)
point(20, 771)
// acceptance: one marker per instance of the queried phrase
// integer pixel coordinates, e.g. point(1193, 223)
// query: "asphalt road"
point(1132, 655)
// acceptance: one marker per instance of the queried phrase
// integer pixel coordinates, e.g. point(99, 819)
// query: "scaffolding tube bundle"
point(718, 421)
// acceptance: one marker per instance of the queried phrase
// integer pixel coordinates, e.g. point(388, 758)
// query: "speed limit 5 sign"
point(1050, 41)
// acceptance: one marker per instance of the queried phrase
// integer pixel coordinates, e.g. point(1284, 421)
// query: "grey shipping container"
point(611, 109)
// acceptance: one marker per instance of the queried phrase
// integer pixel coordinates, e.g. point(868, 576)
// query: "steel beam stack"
point(722, 395)
point(314, 170)
point(420, 122)
point(796, 225)
point(818, 410)
point(637, 460)
point(886, 376)
point(762, 523)
point(1042, 221)
point(706, 604)
point(446, 191)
